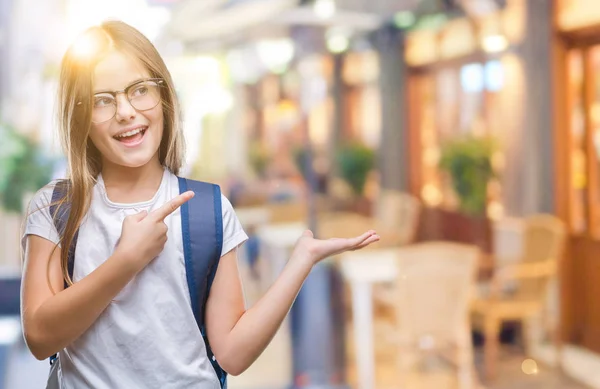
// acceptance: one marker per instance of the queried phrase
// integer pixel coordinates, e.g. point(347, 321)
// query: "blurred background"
point(467, 132)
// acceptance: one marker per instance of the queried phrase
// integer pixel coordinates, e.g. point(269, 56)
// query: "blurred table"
point(276, 244)
point(362, 272)
point(278, 240)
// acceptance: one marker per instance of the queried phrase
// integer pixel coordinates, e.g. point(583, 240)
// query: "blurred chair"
point(507, 240)
point(432, 294)
point(398, 211)
point(396, 219)
point(518, 291)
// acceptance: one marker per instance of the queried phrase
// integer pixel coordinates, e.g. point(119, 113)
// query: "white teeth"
point(129, 133)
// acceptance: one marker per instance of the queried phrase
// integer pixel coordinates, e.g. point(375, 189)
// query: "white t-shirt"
point(147, 337)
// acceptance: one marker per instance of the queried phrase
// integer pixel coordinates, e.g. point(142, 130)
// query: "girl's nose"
point(125, 110)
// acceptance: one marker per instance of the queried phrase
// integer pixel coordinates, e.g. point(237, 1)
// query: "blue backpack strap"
point(60, 215)
point(202, 229)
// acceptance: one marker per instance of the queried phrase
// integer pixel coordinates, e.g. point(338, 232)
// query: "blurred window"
point(453, 100)
point(578, 169)
point(583, 104)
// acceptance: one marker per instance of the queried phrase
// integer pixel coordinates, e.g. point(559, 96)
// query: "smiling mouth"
point(132, 137)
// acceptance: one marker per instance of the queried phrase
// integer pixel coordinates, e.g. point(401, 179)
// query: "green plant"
point(355, 161)
point(468, 162)
point(259, 158)
point(23, 168)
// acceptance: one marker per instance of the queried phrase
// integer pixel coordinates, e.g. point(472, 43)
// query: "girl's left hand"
point(316, 250)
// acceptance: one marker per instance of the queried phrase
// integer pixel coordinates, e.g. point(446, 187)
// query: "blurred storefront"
point(471, 78)
point(577, 148)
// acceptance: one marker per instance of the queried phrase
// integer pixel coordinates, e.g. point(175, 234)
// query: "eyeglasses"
point(142, 95)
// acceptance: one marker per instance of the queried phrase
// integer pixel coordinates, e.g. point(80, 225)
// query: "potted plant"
point(355, 161)
point(24, 168)
point(468, 163)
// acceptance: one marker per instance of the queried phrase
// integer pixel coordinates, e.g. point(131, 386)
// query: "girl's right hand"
point(144, 234)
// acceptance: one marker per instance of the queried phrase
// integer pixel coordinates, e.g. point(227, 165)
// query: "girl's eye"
point(140, 90)
point(103, 101)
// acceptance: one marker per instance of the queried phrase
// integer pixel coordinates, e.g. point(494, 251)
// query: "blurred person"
point(123, 320)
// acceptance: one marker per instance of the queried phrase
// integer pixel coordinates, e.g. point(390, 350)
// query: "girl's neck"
point(130, 185)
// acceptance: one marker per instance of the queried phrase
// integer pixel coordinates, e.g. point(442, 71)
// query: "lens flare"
point(85, 46)
point(529, 367)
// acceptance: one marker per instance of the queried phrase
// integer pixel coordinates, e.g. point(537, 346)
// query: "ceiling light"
point(494, 43)
point(338, 43)
point(324, 9)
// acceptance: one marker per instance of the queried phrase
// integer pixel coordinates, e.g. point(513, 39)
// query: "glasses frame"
point(159, 81)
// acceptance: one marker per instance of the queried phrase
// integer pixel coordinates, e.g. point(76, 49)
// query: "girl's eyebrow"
point(128, 85)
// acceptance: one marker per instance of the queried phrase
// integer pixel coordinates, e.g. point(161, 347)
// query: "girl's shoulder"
point(43, 197)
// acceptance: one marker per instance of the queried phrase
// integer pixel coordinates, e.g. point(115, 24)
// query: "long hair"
point(75, 116)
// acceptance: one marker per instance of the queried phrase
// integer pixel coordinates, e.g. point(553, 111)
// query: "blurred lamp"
point(324, 9)
point(338, 44)
point(494, 43)
point(337, 40)
point(276, 54)
point(244, 65)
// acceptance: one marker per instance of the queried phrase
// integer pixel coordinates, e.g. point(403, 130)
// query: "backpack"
point(202, 230)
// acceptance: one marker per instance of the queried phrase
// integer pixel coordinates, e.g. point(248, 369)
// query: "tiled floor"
point(265, 374)
point(273, 369)
point(511, 373)
point(511, 376)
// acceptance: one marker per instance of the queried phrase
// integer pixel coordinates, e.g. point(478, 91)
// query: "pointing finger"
point(161, 213)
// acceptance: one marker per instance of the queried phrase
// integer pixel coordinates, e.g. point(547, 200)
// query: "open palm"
point(318, 249)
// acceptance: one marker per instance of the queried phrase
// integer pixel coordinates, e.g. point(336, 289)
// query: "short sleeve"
point(233, 233)
point(38, 219)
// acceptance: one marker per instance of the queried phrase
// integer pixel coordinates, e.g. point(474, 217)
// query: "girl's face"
point(130, 138)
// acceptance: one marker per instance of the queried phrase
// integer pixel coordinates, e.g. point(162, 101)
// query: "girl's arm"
point(51, 321)
point(238, 337)
point(53, 317)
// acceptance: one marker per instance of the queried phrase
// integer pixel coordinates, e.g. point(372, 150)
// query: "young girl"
point(125, 319)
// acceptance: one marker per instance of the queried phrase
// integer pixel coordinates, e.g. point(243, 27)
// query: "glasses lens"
point(104, 108)
point(144, 96)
